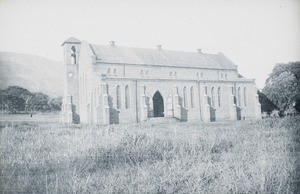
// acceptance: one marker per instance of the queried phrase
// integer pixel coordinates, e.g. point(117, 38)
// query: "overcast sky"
point(254, 34)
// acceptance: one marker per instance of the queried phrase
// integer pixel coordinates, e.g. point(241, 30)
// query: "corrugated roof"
point(126, 55)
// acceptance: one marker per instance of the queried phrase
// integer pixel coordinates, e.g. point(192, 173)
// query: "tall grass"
point(239, 157)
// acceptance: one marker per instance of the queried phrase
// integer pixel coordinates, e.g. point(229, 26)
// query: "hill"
point(34, 73)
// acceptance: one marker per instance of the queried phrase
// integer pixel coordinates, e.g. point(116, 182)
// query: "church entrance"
point(158, 105)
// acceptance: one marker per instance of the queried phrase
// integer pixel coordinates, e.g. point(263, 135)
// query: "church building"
point(110, 84)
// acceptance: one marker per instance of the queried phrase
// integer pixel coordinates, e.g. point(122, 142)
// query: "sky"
point(254, 34)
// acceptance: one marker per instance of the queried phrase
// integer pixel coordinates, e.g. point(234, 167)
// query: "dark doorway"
point(158, 105)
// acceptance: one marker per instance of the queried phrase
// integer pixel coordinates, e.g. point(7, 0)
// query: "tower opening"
point(73, 55)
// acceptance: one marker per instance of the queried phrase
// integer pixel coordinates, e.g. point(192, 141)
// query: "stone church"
point(110, 84)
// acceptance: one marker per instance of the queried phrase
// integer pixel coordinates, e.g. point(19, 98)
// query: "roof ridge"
point(153, 49)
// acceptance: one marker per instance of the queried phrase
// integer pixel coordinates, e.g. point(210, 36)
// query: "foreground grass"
point(239, 157)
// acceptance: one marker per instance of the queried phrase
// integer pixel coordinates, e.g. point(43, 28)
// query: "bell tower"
point(70, 106)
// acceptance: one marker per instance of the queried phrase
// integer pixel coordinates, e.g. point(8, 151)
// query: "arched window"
point(170, 73)
point(73, 55)
point(213, 97)
point(245, 96)
point(219, 96)
point(108, 71)
point(239, 96)
point(118, 94)
point(141, 73)
point(192, 97)
point(225, 76)
point(184, 97)
point(147, 73)
point(201, 74)
point(115, 72)
point(197, 75)
point(175, 74)
point(127, 97)
point(205, 90)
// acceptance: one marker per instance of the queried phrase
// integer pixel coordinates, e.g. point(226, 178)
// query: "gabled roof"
point(126, 55)
point(71, 40)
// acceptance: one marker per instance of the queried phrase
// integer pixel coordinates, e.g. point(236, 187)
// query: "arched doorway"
point(158, 105)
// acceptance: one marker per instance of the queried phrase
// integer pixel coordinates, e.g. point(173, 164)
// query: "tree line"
point(15, 99)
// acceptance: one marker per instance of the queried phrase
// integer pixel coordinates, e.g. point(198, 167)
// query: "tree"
point(283, 85)
point(13, 104)
point(38, 102)
point(15, 99)
point(55, 104)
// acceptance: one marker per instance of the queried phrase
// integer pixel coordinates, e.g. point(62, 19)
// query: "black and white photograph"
point(140, 96)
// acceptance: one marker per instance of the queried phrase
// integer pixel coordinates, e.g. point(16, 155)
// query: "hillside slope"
point(34, 73)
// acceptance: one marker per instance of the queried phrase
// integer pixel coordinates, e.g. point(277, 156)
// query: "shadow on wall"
point(184, 114)
point(149, 109)
point(184, 111)
point(212, 110)
point(113, 113)
point(76, 117)
point(238, 109)
point(238, 113)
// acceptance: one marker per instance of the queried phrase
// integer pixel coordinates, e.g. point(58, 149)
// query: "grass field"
point(230, 157)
